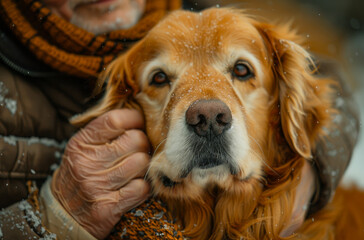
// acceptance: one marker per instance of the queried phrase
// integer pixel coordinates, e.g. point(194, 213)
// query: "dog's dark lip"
point(167, 182)
point(234, 170)
point(207, 163)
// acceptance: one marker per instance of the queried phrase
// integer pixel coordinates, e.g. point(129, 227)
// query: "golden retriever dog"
point(232, 108)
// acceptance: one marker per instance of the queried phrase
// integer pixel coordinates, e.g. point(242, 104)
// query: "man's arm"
point(100, 178)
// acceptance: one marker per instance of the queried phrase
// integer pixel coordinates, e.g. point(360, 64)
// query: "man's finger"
point(108, 211)
point(107, 155)
point(132, 195)
point(110, 125)
point(134, 166)
point(131, 141)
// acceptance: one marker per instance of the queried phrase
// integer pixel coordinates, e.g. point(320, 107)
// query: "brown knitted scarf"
point(150, 220)
point(68, 48)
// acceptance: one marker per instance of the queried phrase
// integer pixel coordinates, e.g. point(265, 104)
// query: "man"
point(52, 52)
point(48, 71)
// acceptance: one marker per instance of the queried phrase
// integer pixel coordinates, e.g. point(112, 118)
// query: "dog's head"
point(221, 94)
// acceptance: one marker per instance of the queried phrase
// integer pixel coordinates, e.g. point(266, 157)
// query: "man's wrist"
point(57, 219)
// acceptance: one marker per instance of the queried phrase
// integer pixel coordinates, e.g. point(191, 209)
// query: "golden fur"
point(279, 113)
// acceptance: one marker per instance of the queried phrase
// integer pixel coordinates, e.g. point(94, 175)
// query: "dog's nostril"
point(219, 118)
point(202, 119)
point(208, 116)
point(223, 119)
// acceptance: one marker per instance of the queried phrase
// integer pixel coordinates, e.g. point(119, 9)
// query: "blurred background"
point(335, 28)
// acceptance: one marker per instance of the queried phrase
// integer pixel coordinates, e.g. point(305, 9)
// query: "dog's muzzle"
point(207, 122)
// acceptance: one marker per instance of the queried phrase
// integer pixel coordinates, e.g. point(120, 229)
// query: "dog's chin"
point(206, 176)
point(201, 181)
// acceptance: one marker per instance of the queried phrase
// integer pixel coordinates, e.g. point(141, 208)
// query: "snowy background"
point(355, 172)
point(348, 17)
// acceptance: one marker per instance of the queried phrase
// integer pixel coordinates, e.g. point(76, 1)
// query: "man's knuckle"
point(114, 119)
point(117, 175)
point(141, 156)
point(131, 195)
point(138, 137)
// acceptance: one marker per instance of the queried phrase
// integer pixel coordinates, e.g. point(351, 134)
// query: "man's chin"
point(105, 21)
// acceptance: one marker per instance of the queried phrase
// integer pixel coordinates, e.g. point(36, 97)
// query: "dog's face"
point(205, 95)
point(208, 84)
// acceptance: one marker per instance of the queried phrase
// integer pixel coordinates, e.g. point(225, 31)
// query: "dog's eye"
point(241, 71)
point(159, 79)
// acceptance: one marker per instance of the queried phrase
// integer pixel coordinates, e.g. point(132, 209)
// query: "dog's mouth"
point(206, 166)
point(167, 182)
point(206, 163)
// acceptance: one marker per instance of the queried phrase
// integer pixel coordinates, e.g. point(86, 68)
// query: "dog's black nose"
point(208, 117)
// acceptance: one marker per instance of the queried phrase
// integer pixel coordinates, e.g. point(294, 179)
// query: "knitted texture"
point(148, 221)
point(68, 48)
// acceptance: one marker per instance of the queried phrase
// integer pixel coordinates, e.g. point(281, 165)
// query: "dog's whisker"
point(159, 144)
point(264, 162)
point(147, 173)
point(262, 154)
point(256, 142)
point(153, 156)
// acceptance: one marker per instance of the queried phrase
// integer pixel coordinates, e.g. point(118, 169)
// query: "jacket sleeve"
point(40, 217)
point(334, 151)
point(33, 131)
point(21, 221)
point(25, 159)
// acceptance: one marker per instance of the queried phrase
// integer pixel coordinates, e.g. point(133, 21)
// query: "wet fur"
point(299, 107)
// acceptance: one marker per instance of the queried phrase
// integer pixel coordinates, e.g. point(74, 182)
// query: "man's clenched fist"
point(102, 170)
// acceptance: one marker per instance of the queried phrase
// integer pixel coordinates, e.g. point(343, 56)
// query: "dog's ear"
point(120, 90)
point(303, 100)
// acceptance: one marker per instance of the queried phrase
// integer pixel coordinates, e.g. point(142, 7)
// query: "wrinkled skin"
point(101, 174)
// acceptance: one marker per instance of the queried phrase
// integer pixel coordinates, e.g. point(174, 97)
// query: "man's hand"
point(304, 193)
point(102, 170)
